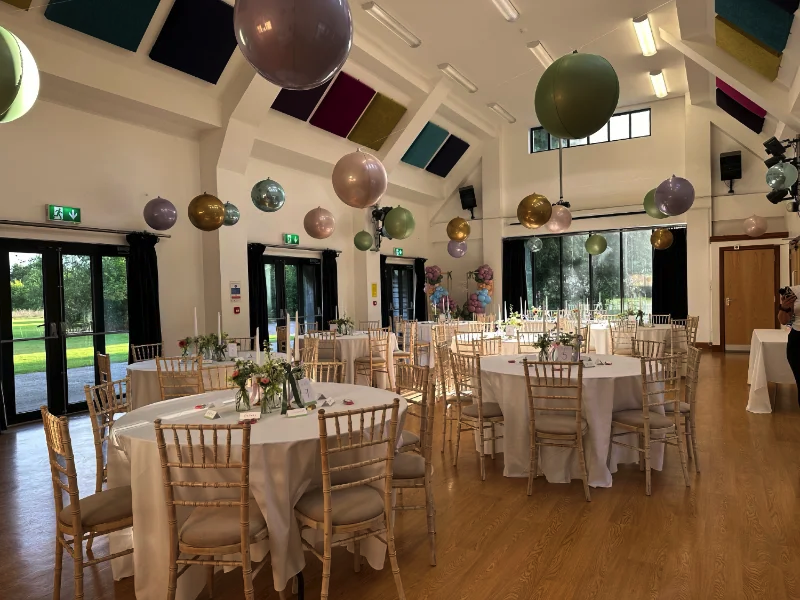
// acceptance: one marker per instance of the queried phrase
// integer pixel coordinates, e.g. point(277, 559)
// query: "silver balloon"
point(456, 249)
point(534, 244)
point(359, 179)
point(674, 196)
point(160, 214)
point(560, 220)
point(296, 44)
point(755, 226)
point(781, 176)
point(268, 195)
point(319, 223)
point(231, 214)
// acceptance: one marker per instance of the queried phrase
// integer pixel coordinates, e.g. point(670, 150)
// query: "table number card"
point(211, 414)
point(306, 395)
point(564, 353)
point(250, 415)
point(233, 350)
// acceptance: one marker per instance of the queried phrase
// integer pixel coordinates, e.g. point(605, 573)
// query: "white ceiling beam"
point(693, 18)
point(794, 93)
point(699, 81)
point(742, 135)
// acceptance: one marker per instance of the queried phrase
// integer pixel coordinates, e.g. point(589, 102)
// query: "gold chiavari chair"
point(647, 348)
point(407, 342)
point(692, 323)
point(282, 338)
point(660, 319)
point(98, 514)
point(526, 342)
point(623, 332)
point(375, 362)
point(310, 350)
point(325, 372)
point(326, 345)
point(473, 327)
point(221, 526)
point(368, 325)
point(478, 415)
point(104, 366)
point(555, 412)
point(245, 344)
point(145, 352)
point(585, 331)
point(531, 326)
point(688, 406)
point(217, 378)
point(353, 507)
point(179, 376)
point(397, 324)
point(660, 382)
point(309, 327)
point(446, 389)
point(465, 342)
point(490, 345)
point(411, 471)
point(411, 382)
point(679, 340)
point(105, 402)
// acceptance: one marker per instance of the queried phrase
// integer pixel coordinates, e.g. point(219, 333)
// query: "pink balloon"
point(319, 223)
point(560, 220)
point(473, 297)
point(359, 179)
point(755, 226)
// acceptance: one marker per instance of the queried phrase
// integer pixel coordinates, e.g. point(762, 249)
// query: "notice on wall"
point(236, 291)
point(374, 290)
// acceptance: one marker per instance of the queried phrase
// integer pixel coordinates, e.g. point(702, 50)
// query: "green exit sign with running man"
point(398, 252)
point(65, 214)
point(291, 239)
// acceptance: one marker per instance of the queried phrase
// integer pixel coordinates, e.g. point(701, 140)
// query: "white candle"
point(195, 321)
point(499, 315)
point(545, 303)
point(505, 311)
point(258, 347)
point(219, 328)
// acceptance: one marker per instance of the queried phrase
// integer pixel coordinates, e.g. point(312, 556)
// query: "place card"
point(296, 412)
point(233, 350)
point(250, 415)
point(588, 362)
point(306, 394)
point(326, 402)
point(211, 414)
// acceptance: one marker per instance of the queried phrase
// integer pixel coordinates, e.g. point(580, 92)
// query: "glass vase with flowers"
point(243, 372)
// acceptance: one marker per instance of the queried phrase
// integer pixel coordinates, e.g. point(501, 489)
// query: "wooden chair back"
point(647, 348)
point(411, 382)
point(679, 338)
point(660, 383)
point(490, 345)
point(407, 337)
point(532, 326)
point(660, 319)
point(692, 377)
point(145, 352)
point(474, 327)
point(104, 366)
point(378, 343)
point(585, 331)
point(326, 345)
point(325, 372)
point(179, 377)
point(444, 333)
point(446, 386)
point(310, 350)
point(397, 324)
point(555, 388)
point(282, 338)
point(62, 467)
point(245, 344)
point(369, 325)
point(623, 333)
point(467, 379)
point(217, 378)
point(692, 323)
point(105, 402)
point(308, 327)
point(526, 342)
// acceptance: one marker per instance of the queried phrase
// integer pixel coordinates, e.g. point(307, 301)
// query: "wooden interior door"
point(750, 279)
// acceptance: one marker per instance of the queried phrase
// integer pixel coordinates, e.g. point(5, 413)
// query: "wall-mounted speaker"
point(730, 165)
point(468, 200)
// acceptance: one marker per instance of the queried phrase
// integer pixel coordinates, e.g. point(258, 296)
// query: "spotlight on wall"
point(773, 160)
point(774, 147)
point(792, 206)
point(776, 196)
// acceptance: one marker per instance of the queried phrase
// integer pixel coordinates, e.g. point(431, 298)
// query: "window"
point(637, 269)
point(547, 273)
point(402, 277)
point(624, 126)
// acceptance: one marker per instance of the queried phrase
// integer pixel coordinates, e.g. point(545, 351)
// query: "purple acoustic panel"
point(741, 99)
point(299, 103)
point(342, 105)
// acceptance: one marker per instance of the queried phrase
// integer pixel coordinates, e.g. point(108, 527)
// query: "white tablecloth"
point(605, 389)
point(284, 463)
point(767, 363)
point(351, 347)
point(600, 341)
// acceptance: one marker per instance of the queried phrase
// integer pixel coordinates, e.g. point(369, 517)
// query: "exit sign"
point(65, 214)
point(291, 239)
point(398, 252)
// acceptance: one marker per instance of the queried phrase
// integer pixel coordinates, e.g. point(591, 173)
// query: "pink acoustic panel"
point(342, 105)
point(741, 99)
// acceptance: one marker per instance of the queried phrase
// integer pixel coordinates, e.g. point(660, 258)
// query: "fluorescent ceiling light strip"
point(659, 83)
point(644, 33)
point(508, 10)
point(457, 76)
point(392, 24)
point(541, 53)
point(502, 112)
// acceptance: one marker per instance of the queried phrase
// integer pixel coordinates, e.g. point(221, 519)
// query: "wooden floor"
point(734, 534)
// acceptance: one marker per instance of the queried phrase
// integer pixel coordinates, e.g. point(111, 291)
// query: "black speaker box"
point(730, 165)
point(468, 200)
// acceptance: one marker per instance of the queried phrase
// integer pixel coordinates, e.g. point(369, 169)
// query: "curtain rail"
point(77, 228)
point(302, 248)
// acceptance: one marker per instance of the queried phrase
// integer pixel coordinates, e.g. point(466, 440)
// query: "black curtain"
point(257, 283)
point(514, 285)
point(670, 296)
point(420, 297)
point(386, 292)
point(330, 287)
point(144, 314)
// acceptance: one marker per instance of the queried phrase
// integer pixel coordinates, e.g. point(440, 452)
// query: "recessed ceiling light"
point(644, 33)
point(659, 83)
point(392, 24)
point(456, 76)
point(539, 52)
point(508, 10)
point(502, 112)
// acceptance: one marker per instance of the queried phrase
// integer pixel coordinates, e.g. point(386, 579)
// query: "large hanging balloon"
point(319, 223)
point(781, 176)
point(19, 77)
point(650, 205)
point(755, 226)
point(295, 44)
point(160, 214)
point(596, 244)
point(231, 214)
point(661, 239)
point(456, 249)
point(207, 212)
point(560, 220)
point(674, 196)
point(534, 211)
point(268, 195)
point(576, 95)
point(534, 244)
point(359, 179)
point(363, 241)
point(399, 223)
point(458, 229)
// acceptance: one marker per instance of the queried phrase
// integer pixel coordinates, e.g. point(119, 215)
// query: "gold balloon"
point(207, 212)
point(661, 239)
point(458, 229)
point(534, 211)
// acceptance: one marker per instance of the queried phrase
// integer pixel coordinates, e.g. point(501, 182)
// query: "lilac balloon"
point(296, 44)
point(560, 220)
point(755, 226)
point(456, 249)
point(674, 196)
point(160, 214)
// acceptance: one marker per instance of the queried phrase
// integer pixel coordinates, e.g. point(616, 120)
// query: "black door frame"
point(404, 270)
point(280, 287)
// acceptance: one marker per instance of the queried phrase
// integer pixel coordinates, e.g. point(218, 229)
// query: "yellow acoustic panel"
point(25, 4)
point(377, 123)
point(746, 49)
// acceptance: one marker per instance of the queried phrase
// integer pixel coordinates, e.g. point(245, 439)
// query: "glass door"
point(402, 278)
point(294, 287)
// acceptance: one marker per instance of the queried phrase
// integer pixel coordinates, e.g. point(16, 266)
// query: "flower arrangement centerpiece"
point(185, 344)
point(243, 372)
point(344, 325)
point(513, 323)
point(271, 378)
point(570, 340)
point(640, 317)
point(294, 372)
point(219, 346)
point(543, 343)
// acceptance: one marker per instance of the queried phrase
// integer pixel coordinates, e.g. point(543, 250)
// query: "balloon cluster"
point(438, 293)
point(433, 275)
point(478, 301)
point(484, 273)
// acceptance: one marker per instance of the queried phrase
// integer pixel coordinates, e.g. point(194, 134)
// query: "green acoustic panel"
point(425, 146)
point(24, 4)
point(746, 49)
point(761, 19)
point(377, 123)
point(118, 22)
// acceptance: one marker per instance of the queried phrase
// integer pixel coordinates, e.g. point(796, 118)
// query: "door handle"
point(727, 301)
point(53, 330)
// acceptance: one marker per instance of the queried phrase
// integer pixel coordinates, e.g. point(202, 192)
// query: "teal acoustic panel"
point(119, 22)
point(425, 146)
point(762, 19)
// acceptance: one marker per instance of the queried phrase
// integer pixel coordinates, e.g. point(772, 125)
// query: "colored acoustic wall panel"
point(739, 112)
point(342, 105)
point(118, 22)
point(429, 140)
point(747, 50)
point(23, 4)
point(741, 99)
point(377, 123)
point(299, 103)
point(197, 38)
point(789, 6)
point(447, 157)
point(760, 19)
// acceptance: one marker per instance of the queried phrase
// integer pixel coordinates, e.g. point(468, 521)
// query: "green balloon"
point(10, 69)
point(399, 223)
point(650, 205)
point(596, 244)
point(577, 95)
point(363, 241)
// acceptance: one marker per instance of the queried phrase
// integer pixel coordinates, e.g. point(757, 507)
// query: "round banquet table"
point(351, 347)
point(284, 463)
point(600, 341)
point(606, 389)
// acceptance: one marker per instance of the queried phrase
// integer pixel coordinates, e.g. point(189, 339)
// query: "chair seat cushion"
point(408, 438)
point(107, 506)
point(375, 361)
point(212, 527)
point(350, 505)
point(559, 424)
point(401, 354)
point(685, 408)
point(635, 418)
point(408, 466)
point(490, 410)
